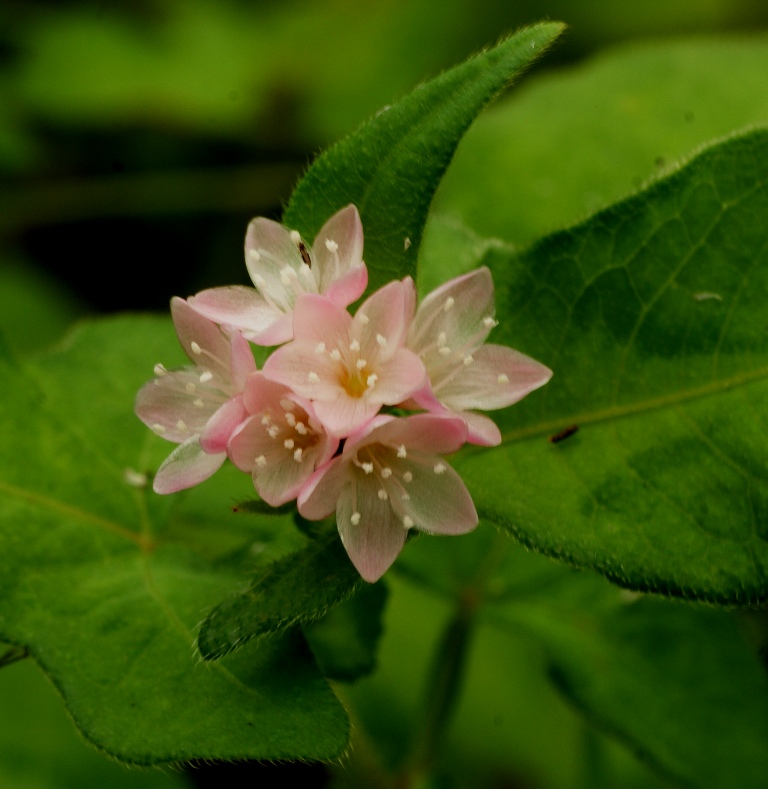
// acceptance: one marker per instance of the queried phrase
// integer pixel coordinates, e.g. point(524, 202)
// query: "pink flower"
point(283, 268)
point(388, 479)
point(448, 333)
point(349, 367)
point(196, 407)
point(280, 443)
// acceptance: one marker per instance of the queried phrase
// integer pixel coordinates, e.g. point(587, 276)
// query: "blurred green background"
point(136, 141)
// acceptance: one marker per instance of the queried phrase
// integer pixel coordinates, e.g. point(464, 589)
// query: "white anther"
point(370, 381)
point(382, 494)
point(288, 443)
point(406, 496)
point(182, 425)
point(360, 363)
point(363, 318)
point(266, 420)
point(198, 403)
point(295, 237)
point(285, 275)
point(407, 477)
point(158, 428)
point(442, 339)
point(290, 419)
point(287, 405)
point(335, 355)
point(254, 255)
point(468, 359)
point(444, 351)
point(406, 243)
point(298, 455)
point(259, 281)
point(206, 376)
point(160, 369)
point(381, 340)
point(313, 377)
point(368, 468)
point(439, 468)
point(136, 479)
point(402, 452)
point(196, 349)
point(407, 522)
point(386, 473)
point(449, 302)
point(273, 431)
point(190, 387)
point(320, 347)
point(354, 345)
point(331, 246)
point(301, 429)
point(261, 461)
point(488, 322)
point(503, 379)
point(355, 518)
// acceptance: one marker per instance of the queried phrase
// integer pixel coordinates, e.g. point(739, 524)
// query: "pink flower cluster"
point(309, 426)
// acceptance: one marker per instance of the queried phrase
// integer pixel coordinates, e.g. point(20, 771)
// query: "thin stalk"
point(442, 694)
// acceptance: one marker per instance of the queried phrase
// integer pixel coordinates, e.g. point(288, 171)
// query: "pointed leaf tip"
point(391, 166)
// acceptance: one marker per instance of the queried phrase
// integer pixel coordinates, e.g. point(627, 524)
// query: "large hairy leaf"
point(391, 167)
point(104, 582)
point(652, 316)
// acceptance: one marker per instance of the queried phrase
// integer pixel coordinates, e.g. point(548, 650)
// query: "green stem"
point(13, 655)
point(443, 691)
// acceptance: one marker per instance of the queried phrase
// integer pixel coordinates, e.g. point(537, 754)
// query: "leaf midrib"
point(615, 412)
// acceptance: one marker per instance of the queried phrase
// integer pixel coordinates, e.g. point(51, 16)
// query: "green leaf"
point(105, 582)
point(572, 142)
point(652, 316)
point(679, 684)
point(296, 589)
point(391, 167)
point(25, 290)
point(345, 640)
point(39, 749)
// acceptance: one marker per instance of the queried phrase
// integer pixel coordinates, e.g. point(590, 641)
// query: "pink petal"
point(483, 431)
point(457, 308)
point(296, 364)
point(497, 377)
point(344, 229)
point(399, 378)
point(316, 319)
point(345, 414)
point(318, 497)
point(375, 541)
point(349, 287)
point(185, 467)
point(275, 246)
point(243, 363)
point(438, 503)
point(260, 393)
point(382, 315)
point(237, 307)
point(425, 433)
point(221, 425)
point(201, 339)
point(165, 405)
